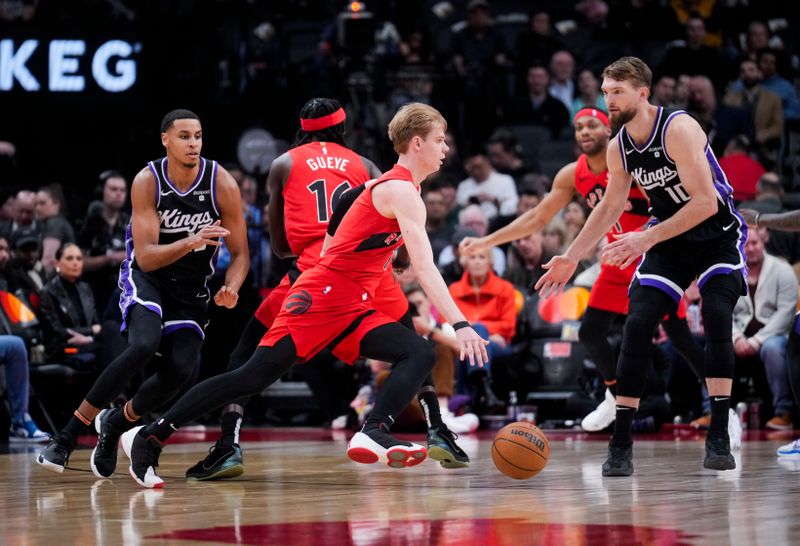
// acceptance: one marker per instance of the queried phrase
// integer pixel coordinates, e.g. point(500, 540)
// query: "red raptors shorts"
point(389, 298)
point(271, 305)
point(325, 309)
point(610, 290)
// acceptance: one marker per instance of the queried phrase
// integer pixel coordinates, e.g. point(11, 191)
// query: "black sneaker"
point(620, 460)
point(143, 453)
point(104, 455)
point(718, 451)
point(55, 456)
point(442, 447)
point(222, 462)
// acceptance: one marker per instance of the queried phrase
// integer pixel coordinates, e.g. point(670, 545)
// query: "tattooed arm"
point(784, 221)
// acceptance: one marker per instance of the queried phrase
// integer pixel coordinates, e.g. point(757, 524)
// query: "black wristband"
point(460, 325)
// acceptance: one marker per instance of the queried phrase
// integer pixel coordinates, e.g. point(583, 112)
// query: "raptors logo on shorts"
point(298, 303)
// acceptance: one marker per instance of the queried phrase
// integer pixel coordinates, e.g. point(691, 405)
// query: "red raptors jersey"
point(320, 173)
point(593, 187)
point(362, 247)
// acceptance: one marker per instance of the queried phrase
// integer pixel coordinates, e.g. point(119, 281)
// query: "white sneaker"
point(792, 449)
point(376, 445)
point(602, 416)
point(27, 431)
point(734, 430)
point(460, 424)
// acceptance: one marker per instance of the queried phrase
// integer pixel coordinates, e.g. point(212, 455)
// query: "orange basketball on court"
point(520, 450)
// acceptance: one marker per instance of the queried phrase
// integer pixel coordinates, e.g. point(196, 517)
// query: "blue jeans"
point(14, 356)
point(493, 349)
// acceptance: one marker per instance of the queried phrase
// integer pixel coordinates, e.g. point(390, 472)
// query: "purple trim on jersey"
point(622, 151)
point(719, 269)
point(175, 325)
point(720, 180)
point(214, 187)
point(652, 134)
point(664, 287)
point(158, 183)
point(197, 180)
point(128, 296)
point(664, 133)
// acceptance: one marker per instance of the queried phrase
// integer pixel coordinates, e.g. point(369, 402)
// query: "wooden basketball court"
point(300, 489)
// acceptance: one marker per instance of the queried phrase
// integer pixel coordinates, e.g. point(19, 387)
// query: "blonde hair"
point(414, 119)
point(630, 69)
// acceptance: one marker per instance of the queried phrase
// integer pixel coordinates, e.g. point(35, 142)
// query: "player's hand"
point(749, 216)
point(472, 347)
point(209, 235)
point(226, 297)
point(627, 248)
point(470, 246)
point(559, 271)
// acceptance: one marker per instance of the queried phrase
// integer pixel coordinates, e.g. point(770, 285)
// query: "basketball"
point(520, 450)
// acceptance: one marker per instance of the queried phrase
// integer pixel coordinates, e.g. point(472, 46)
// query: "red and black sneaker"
point(377, 445)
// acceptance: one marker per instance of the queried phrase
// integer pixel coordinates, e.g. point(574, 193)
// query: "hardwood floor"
point(300, 489)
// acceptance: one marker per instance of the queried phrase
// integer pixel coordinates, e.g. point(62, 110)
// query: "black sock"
point(118, 420)
point(719, 412)
point(74, 428)
point(231, 423)
point(160, 429)
point(623, 425)
point(430, 406)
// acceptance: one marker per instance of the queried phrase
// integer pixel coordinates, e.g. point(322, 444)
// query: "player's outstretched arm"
point(401, 200)
point(608, 210)
point(531, 221)
point(784, 221)
point(229, 201)
point(278, 174)
point(145, 228)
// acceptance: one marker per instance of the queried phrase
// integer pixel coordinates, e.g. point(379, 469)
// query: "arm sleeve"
point(345, 202)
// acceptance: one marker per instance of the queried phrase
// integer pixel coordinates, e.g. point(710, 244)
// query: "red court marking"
point(444, 532)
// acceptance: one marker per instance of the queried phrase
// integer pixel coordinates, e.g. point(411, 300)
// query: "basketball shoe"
point(620, 460)
point(792, 449)
point(143, 453)
point(442, 447)
point(602, 416)
point(718, 451)
point(376, 445)
point(55, 456)
point(221, 462)
point(734, 430)
point(26, 431)
point(104, 455)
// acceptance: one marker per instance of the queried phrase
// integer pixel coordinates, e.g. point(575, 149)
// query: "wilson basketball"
point(520, 450)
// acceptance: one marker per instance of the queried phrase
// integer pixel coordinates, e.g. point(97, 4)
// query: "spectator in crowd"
point(449, 263)
point(769, 195)
point(439, 232)
point(24, 215)
point(102, 237)
point(479, 56)
point(720, 122)
point(664, 91)
point(694, 58)
point(538, 107)
point(772, 81)
point(556, 238)
point(574, 218)
point(443, 338)
point(7, 208)
point(453, 164)
point(765, 110)
point(487, 302)
point(756, 40)
point(588, 93)
point(683, 92)
point(494, 192)
point(473, 221)
point(68, 315)
point(536, 45)
point(531, 191)
point(761, 321)
point(741, 170)
point(14, 358)
point(26, 275)
point(505, 155)
point(56, 229)
point(562, 76)
point(524, 262)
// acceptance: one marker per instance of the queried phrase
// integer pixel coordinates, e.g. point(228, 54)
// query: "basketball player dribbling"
point(182, 204)
point(308, 187)
point(696, 235)
point(330, 305)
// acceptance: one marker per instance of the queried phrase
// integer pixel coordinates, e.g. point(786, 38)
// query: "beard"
point(623, 117)
point(593, 148)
